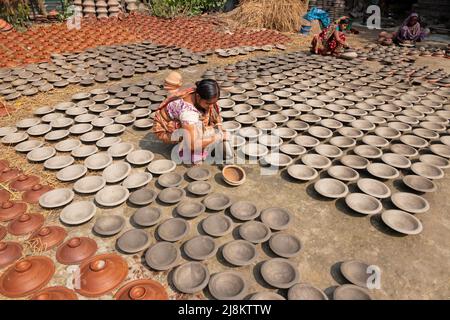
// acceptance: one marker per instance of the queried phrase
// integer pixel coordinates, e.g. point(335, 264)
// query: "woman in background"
point(411, 30)
point(332, 39)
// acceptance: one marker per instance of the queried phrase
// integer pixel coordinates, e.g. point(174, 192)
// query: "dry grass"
point(284, 16)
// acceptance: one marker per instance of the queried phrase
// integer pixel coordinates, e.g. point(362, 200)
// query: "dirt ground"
point(412, 267)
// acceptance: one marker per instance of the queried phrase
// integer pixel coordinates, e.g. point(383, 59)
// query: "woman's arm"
point(338, 38)
point(195, 138)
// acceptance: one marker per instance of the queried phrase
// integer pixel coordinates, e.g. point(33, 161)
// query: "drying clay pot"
point(410, 202)
point(109, 225)
point(200, 248)
point(228, 285)
point(351, 292)
point(71, 173)
point(143, 197)
point(198, 173)
point(420, 184)
point(116, 172)
point(285, 245)
point(279, 273)
point(140, 157)
point(89, 184)
point(159, 167)
point(41, 154)
point(239, 252)
point(137, 180)
point(217, 202)
point(142, 290)
point(112, 196)
point(363, 203)
point(244, 211)
point(396, 160)
point(343, 173)
point(98, 161)
point(48, 237)
point(59, 162)
point(67, 145)
point(76, 250)
point(171, 195)
point(56, 198)
point(23, 183)
point(302, 172)
point(199, 188)
point(173, 229)
point(55, 293)
point(190, 209)
point(374, 188)
point(233, 175)
point(428, 171)
point(133, 241)
point(355, 271)
point(316, 161)
point(255, 231)
point(162, 256)
point(402, 222)
point(191, 277)
point(147, 216)
point(120, 149)
point(170, 180)
point(303, 291)
point(217, 225)
point(331, 188)
point(276, 218)
point(382, 171)
point(9, 253)
point(78, 212)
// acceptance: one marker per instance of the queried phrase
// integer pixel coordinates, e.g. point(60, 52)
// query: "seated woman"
point(411, 30)
point(332, 39)
point(194, 110)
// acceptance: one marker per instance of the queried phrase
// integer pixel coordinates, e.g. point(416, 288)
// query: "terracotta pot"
point(55, 293)
point(10, 210)
point(26, 276)
point(4, 164)
point(24, 182)
point(4, 196)
point(142, 290)
point(26, 223)
point(76, 250)
point(9, 174)
point(49, 237)
point(9, 253)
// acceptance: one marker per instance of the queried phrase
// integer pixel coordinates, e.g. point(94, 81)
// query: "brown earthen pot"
point(26, 276)
point(49, 237)
point(8, 174)
point(76, 250)
point(145, 289)
point(55, 293)
point(26, 223)
point(9, 253)
point(10, 210)
point(24, 182)
point(33, 195)
point(4, 164)
point(101, 274)
point(4, 196)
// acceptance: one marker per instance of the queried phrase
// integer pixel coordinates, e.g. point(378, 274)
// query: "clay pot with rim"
point(9, 174)
point(26, 223)
point(26, 276)
point(49, 237)
point(143, 289)
point(10, 210)
point(9, 253)
point(55, 293)
point(76, 250)
point(101, 274)
point(32, 195)
point(24, 183)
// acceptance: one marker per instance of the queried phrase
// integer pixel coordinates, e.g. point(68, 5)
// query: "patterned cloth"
point(411, 33)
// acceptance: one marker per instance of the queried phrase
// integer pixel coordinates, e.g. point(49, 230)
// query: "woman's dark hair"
point(208, 89)
point(344, 21)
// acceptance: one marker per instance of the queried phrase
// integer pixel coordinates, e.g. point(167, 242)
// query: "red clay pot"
point(10, 210)
point(26, 223)
point(55, 293)
point(49, 236)
point(24, 182)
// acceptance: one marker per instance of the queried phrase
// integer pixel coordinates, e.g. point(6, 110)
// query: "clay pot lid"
point(4, 164)
point(49, 236)
point(3, 232)
point(55, 293)
point(32, 195)
point(144, 289)
point(9, 252)
point(8, 174)
point(4, 196)
point(26, 223)
point(76, 250)
point(26, 276)
point(101, 274)
point(10, 210)
point(24, 182)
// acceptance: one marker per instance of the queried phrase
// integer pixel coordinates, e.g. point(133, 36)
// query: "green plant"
point(15, 12)
point(67, 10)
point(173, 8)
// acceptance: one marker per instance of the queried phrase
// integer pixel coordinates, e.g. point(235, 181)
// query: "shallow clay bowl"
point(279, 273)
point(331, 188)
point(78, 212)
point(200, 248)
point(199, 188)
point(137, 180)
point(217, 202)
point(133, 241)
point(89, 184)
point(285, 245)
point(171, 195)
point(190, 209)
point(396, 160)
point(419, 183)
point(276, 159)
point(306, 141)
point(239, 252)
point(351, 292)
point(233, 175)
point(228, 285)
point(402, 222)
point(343, 173)
point(28, 145)
point(410, 202)
point(276, 218)
point(302, 172)
point(437, 161)
point(254, 150)
point(266, 296)
point(58, 162)
point(191, 277)
point(120, 149)
point(244, 210)
point(173, 229)
point(316, 161)
point(368, 152)
point(112, 196)
point(71, 173)
point(428, 171)
point(255, 231)
point(67, 145)
point(170, 179)
point(363, 203)
point(161, 166)
point(198, 174)
point(109, 225)
point(355, 271)
point(292, 149)
point(84, 151)
point(140, 157)
point(303, 291)
point(56, 198)
point(217, 225)
point(162, 256)
point(354, 162)
point(382, 171)
point(374, 188)
point(116, 172)
point(98, 161)
point(147, 216)
point(41, 154)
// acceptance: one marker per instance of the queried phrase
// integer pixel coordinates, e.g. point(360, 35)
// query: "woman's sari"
point(411, 33)
point(328, 44)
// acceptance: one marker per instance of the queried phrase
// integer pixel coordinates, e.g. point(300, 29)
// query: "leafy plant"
point(67, 10)
point(172, 8)
point(15, 12)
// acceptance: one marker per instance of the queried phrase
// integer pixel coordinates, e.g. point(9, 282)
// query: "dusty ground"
point(413, 267)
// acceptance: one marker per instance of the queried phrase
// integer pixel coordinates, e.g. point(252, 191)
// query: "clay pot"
point(26, 223)
point(49, 237)
point(76, 250)
point(55, 293)
point(10, 210)
point(9, 252)
point(4, 196)
point(26, 276)
point(233, 175)
point(8, 174)
point(145, 289)
point(32, 195)
point(24, 183)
